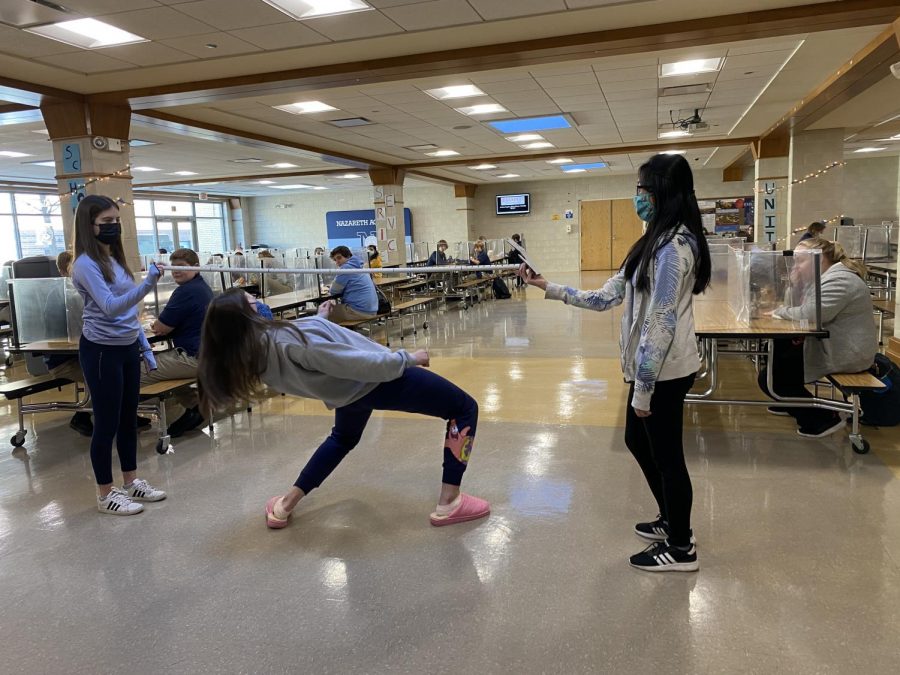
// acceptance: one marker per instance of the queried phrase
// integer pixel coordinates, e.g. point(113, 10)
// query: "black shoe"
point(662, 557)
point(143, 423)
point(824, 429)
point(658, 530)
point(777, 410)
point(191, 419)
point(81, 422)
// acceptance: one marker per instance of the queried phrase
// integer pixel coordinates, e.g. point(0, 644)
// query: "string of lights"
point(98, 179)
point(807, 177)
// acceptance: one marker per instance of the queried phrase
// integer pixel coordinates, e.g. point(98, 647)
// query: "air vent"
point(685, 90)
point(351, 122)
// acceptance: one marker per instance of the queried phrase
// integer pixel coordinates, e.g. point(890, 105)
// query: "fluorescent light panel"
point(10, 153)
point(528, 124)
point(145, 169)
point(690, 67)
point(292, 187)
point(561, 160)
point(578, 168)
point(537, 146)
point(305, 107)
point(43, 162)
point(183, 173)
point(483, 167)
point(281, 165)
point(508, 175)
point(857, 150)
point(524, 138)
point(351, 175)
point(675, 133)
point(456, 91)
point(482, 109)
point(266, 182)
point(138, 143)
point(442, 153)
point(86, 33)
point(307, 9)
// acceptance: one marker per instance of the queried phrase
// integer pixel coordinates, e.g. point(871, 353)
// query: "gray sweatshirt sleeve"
point(835, 296)
point(609, 296)
point(348, 363)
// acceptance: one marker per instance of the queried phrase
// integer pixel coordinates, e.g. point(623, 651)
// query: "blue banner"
point(357, 228)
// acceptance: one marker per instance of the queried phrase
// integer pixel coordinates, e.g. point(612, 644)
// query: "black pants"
point(788, 380)
point(657, 445)
point(113, 376)
point(416, 391)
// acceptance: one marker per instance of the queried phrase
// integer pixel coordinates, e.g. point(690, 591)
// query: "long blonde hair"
point(835, 253)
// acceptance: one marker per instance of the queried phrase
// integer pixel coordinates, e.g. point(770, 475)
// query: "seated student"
point(846, 315)
point(479, 257)
point(374, 259)
point(68, 367)
point(439, 256)
point(181, 321)
point(357, 291)
point(816, 229)
point(274, 283)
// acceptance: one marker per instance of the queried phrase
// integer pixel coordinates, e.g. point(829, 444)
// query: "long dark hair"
point(85, 241)
point(668, 178)
point(233, 353)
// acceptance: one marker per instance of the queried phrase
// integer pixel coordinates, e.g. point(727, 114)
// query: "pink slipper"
point(271, 521)
point(470, 508)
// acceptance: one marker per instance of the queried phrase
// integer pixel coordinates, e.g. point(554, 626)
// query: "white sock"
point(279, 512)
point(447, 509)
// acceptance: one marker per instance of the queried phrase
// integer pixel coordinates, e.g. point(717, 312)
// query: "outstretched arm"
point(611, 295)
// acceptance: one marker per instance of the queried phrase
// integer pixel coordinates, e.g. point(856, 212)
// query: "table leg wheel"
point(860, 445)
point(18, 440)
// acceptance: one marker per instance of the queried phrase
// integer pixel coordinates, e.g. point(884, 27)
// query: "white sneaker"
point(118, 503)
point(142, 491)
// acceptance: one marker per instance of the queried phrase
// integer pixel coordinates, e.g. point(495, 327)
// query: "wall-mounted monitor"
point(513, 204)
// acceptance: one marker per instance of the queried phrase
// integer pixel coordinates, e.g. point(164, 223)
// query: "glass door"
point(165, 234)
point(174, 233)
point(185, 230)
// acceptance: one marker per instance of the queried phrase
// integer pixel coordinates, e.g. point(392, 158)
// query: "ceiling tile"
point(649, 84)
point(492, 10)
point(280, 36)
point(756, 46)
point(158, 23)
point(380, 4)
point(749, 61)
point(19, 43)
point(354, 26)
point(511, 87)
point(86, 62)
point(502, 75)
point(562, 81)
point(95, 7)
point(233, 14)
point(226, 45)
point(148, 54)
point(435, 14)
point(628, 74)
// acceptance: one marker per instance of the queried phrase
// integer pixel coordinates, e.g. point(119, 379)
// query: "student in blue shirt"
point(111, 350)
point(357, 291)
point(181, 321)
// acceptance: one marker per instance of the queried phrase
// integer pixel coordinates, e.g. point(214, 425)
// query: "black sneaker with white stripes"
point(658, 530)
point(663, 557)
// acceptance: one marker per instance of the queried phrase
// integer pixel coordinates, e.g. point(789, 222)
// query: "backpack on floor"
point(501, 291)
point(882, 408)
point(384, 305)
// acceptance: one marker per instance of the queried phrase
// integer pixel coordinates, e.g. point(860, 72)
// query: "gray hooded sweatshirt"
point(327, 362)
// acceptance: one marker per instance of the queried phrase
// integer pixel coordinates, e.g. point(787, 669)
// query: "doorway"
point(174, 233)
point(609, 228)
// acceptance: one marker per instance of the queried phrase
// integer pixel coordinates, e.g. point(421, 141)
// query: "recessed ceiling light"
point(482, 109)
point(858, 150)
point(43, 162)
point(246, 160)
point(690, 67)
point(673, 152)
point(266, 182)
point(458, 91)
point(442, 153)
point(578, 168)
point(537, 146)
point(292, 187)
point(320, 187)
point(10, 153)
point(281, 165)
point(422, 148)
point(305, 107)
point(524, 138)
point(40, 131)
point(527, 124)
point(561, 160)
point(86, 33)
point(895, 138)
point(182, 173)
point(508, 175)
point(483, 167)
point(351, 122)
point(138, 143)
point(675, 133)
point(216, 182)
point(351, 175)
point(306, 9)
point(144, 168)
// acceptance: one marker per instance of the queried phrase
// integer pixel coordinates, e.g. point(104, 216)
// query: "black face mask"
point(109, 233)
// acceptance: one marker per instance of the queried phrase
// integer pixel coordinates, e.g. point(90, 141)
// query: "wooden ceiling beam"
point(867, 67)
point(621, 41)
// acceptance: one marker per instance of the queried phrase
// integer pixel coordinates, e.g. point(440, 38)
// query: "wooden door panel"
point(627, 228)
point(595, 235)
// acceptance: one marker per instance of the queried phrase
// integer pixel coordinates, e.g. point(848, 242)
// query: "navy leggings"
point(113, 376)
point(657, 445)
point(416, 391)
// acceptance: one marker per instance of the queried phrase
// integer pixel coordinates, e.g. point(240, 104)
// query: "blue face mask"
point(644, 207)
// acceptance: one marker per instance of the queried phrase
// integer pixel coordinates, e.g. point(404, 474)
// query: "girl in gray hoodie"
point(315, 358)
